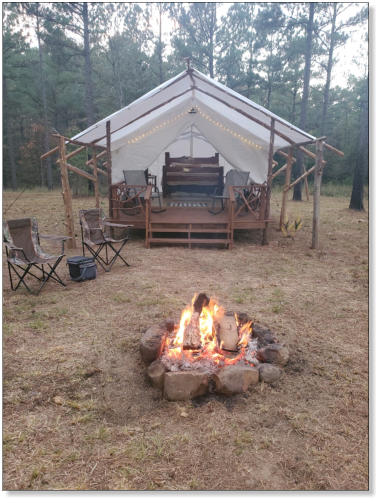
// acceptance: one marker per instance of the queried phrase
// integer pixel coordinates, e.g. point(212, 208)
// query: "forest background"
point(68, 65)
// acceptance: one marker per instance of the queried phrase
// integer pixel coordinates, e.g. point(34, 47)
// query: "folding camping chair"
point(136, 179)
point(232, 178)
point(24, 254)
point(97, 235)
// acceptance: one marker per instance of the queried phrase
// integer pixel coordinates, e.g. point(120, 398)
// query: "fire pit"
point(210, 350)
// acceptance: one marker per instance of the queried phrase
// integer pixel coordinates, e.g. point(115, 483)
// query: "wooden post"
point(306, 183)
point(265, 239)
point(95, 172)
point(66, 193)
point(109, 165)
point(317, 184)
point(290, 160)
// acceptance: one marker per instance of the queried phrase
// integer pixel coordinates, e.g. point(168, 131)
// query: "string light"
point(193, 110)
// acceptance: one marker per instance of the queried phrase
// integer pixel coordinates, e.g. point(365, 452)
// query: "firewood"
point(201, 301)
point(228, 333)
point(192, 336)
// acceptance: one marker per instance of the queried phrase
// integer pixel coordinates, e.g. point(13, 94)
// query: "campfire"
point(207, 338)
point(210, 349)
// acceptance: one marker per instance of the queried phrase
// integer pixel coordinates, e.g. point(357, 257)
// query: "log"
point(228, 333)
point(192, 336)
point(50, 152)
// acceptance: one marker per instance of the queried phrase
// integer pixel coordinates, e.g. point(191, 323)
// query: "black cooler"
point(82, 268)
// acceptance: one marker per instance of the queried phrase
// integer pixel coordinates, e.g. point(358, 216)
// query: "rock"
point(150, 343)
point(273, 353)
point(235, 379)
point(185, 385)
point(155, 373)
point(269, 373)
point(264, 336)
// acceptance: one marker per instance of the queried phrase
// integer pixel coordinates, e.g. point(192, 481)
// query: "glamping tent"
point(195, 116)
point(192, 115)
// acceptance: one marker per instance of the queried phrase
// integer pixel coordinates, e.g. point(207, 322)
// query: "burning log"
point(228, 333)
point(192, 336)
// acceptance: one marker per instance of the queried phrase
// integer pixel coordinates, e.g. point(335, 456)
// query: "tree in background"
point(362, 154)
point(197, 33)
point(256, 49)
point(298, 167)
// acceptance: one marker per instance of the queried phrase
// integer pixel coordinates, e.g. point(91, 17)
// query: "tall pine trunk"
point(161, 77)
point(356, 202)
point(297, 195)
point(47, 163)
point(9, 136)
point(329, 71)
point(89, 95)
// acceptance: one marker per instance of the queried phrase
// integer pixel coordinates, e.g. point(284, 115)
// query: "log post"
point(66, 193)
point(317, 184)
point(265, 239)
point(109, 165)
point(290, 160)
point(95, 172)
point(306, 183)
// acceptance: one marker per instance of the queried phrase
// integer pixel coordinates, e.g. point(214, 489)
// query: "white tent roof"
point(233, 125)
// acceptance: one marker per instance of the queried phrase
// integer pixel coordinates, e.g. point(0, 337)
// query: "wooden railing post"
point(317, 184)
point(66, 193)
point(290, 159)
point(95, 172)
point(109, 165)
point(265, 238)
point(147, 198)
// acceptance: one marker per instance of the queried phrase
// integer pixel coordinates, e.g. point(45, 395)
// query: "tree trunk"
point(89, 95)
point(211, 42)
point(356, 202)
point(9, 137)
point(297, 195)
point(329, 71)
point(47, 163)
point(161, 78)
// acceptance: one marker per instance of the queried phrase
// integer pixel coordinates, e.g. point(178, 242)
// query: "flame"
point(173, 352)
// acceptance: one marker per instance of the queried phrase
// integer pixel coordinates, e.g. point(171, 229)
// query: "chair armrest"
point(53, 237)
point(12, 247)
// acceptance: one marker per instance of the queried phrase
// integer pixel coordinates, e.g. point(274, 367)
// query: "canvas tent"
point(192, 114)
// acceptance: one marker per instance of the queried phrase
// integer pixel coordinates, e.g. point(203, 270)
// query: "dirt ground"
point(79, 414)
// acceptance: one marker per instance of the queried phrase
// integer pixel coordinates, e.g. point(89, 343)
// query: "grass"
point(79, 414)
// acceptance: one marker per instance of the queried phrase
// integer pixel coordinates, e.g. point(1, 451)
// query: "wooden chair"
point(232, 178)
point(97, 235)
point(24, 254)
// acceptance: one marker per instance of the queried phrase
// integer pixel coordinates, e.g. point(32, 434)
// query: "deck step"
point(189, 241)
point(204, 230)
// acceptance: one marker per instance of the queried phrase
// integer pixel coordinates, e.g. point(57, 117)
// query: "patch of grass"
point(38, 325)
point(277, 301)
point(121, 298)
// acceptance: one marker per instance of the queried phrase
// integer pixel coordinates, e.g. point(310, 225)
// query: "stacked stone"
point(229, 380)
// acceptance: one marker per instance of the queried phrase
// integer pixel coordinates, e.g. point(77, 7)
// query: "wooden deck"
point(192, 225)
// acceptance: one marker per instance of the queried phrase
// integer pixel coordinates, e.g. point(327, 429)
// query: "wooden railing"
point(130, 200)
point(248, 199)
